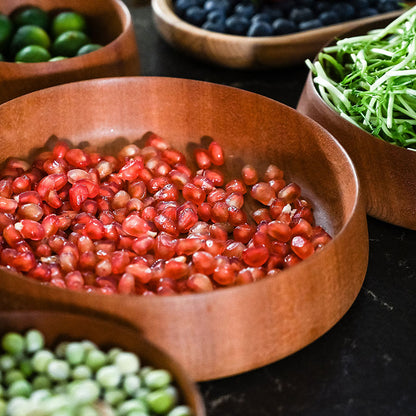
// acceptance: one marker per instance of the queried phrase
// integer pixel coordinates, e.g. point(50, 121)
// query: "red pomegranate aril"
point(219, 212)
point(216, 153)
point(94, 229)
point(74, 280)
point(12, 235)
point(274, 262)
point(119, 261)
point(216, 195)
point(78, 194)
point(244, 276)
point(304, 213)
point(260, 239)
point(214, 176)
point(129, 151)
point(60, 149)
point(188, 246)
point(84, 243)
point(243, 233)
point(131, 169)
point(68, 257)
point(87, 260)
point(255, 256)
point(277, 184)
point(204, 183)
point(249, 175)
point(55, 166)
point(29, 197)
point(234, 249)
point(279, 231)
point(30, 229)
point(142, 245)
point(167, 225)
point(41, 272)
point(273, 172)
point(263, 193)
point(236, 216)
point(214, 247)
point(157, 142)
point(126, 284)
point(261, 215)
point(176, 269)
point(7, 205)
point(6, 187)
point(20, 164)
point(24, 262)
point(105, 168)
point(291, 259)
point(135, 225)
point(279, 248)
point(134, 204)
point(120, 214)
point(202, 158)
point(320, 237)
point(156, 184)
point(276, 208)
point(30, 211)
point(235, 199)
point(103, 268)
point(142, 272)
point(203, 262)
point(172, 156)
point(290, 193)
point(168, 193)
point(21, 184)
point(77, 158)
point(224, 275)
point(303, 228)
point(237, 186)
point(5, 220)
point(92, 187)
point(56, 243)
point(178, 178)
point(90, 206)
point(200, 283)
point(193, 193)
point(187, 218)
point(164, 247)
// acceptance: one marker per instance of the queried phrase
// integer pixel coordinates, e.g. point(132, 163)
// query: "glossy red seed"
point(24, 262)
point(7, 205)
point(30, 211)
point(21, 184)
point(129, 151)
point(188, 246)
point(164, 247)
point(200, 283)
point(172, 156)
point(202, 158)
point(243, 233)
point(12, 236)
point(41, 272)
point(255, 256)
point(167, 225)
point(142, 245)
point(219, 212)
point(236, 216)
point(263, 193)
point(176, 269)
point(5, 220)
point(291, 260)
point(87, 260)
point(168, 193)
point(6, 187)
point(244, 276)
point(273, 172)
point(119, 261)
point(216, 153)
point(234, 249)
point(261, 215)
point(92, 187)
point(30, 229)
point(279, 231)
point(77, 158)
point(249, 175)
point(55, 166)
point(126, 284)
point(289, 193)
point(131, 169)
point(68, 257)
point(203, 262)
point(141, 271)
point(303, 228)
point(156, 141)
point(60, 149)
point(214, 247)
point(214, 176)
point(48, 183)
point(94, 229)
point(224, 275)
point(74, 280)
point(193, 193)
point(216, 195)
point(135, 225)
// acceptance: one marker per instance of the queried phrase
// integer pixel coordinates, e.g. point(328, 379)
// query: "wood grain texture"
point(246, 52)
point(110, 24)
point(387, 172)
point(106, 333)
point(237, 329)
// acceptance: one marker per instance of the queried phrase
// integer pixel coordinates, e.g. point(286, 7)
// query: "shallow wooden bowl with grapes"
point(387, 172)
point(242, 52)
point(106, 333)
point(232, 329)
point(109, 23)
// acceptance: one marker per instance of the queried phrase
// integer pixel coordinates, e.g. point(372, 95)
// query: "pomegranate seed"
point(68, 257)
point(77, 158)
point(234, 249)
point(303, 213)
point(216, 195)
point(30, 229)
point(167, 225)
point(199, 283)
point(289, 193)
point(126, 284)
point(53, 182)
point(12, 235)
point(74, 280)
point(30, 211)
point(164, 247)
point(243, 233)
point(202, 158)
point(188, 246)
point(276, 208)
point(255, 256)
point(204, 183)
point(235, 199)
point(156, 141)
point(263, 193)
point(142, 245)
point(24, 262)
point(130, 171)
point(6, 187)
point(78, 194)
point(237, 186)
point(167, 193)
point(94, 229)
point(187, 218)
point(219, 212)
point(5, 220)
point(193, 193)
point(178, 178)
point(291, 260)
point(29, 197)
point(55, 166)
point(303, 228)
point(214, 176)
point(134, 225)
point(249, 175)
point(260, 239)
point(103, 268)
point(204, 211)
point(7, 205)
point(320, 237)
point(236, 216)
point(224, 275)
point(156, 184)
point(105, 168)
point(216, 154)
point(41, 272)
point(277, 184)
point(261, 215)
point(244, 276)
point(21, 184)
point(172, 156)
point(129, 151)
point(214, 247)
point(279, 248)
point(273, 172)
point(60, 149)
point(279, 231)
point(176, 269)
point(119, 261)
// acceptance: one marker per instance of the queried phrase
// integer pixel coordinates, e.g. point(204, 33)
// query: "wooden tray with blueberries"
point(261, 34)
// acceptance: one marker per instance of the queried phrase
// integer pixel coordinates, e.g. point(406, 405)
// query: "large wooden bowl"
point(387, 172)
point(110, 24)
point(246, 52)
point(230, 330)
point(59, 326)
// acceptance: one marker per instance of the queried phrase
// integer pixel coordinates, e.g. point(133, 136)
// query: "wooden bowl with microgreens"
point(40, 47)
point(361, 88)
point(166, 203)
point(54, 362)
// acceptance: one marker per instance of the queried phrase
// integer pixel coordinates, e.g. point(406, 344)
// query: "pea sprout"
point(370, 80)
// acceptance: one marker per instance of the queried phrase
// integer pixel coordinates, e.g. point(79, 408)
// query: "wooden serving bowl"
point(387, 172)
point(110, 24)
point(244, 52)
point(231, 330)
point(59, 326)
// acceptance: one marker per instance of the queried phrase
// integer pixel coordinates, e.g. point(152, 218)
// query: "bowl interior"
point(59, 326)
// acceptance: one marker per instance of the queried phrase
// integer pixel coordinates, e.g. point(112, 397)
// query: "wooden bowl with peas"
point(369, 108)
point(69, 363)
point(47, 42)
point(227, 226)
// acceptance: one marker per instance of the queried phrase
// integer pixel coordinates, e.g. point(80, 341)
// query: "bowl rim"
point(316, 257)
point(164, 10)
point(124, 16)
point(346, 123)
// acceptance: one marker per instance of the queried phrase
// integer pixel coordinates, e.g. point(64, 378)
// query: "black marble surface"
point(366, 364)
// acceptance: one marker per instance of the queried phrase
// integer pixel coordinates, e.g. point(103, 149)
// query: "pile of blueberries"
point(275, 17)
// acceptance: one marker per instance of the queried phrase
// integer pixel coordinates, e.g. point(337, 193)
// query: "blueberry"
point(329, 18)
point(301, 14)
point(360, 4)
point(195, 15)
point(214, 26)
point(283, 26)
point(182, 5)
point(237, 25)
point(262, 17)
point(216, 16)
point(245, 9)
point(368, 11)
point(222, 5)
point(287, 5)
point(306, 3)
point(344, 10)
point(322, 6)
point(260, 29)
point(387, 6)
point(273, 11)
point(310, 24)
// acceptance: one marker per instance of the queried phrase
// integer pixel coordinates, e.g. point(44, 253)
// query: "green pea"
point(157, 379)
point(18, 405)
point(88, 411)
point(25, 367)
point(112, 354)
point(58, 370)
point(12, 375)
point(3, 407)
point(114, 396)
point(1, 391)
point(81, 372)
point(13, 343)
point(60, 349)
point(41, 359)
point(7, 362)
point(130, 405)
point(108, 376)
point(83, 391)
point(41, 382)
point(180, 411)
point(127, 362)
point(160, 401)
point(131, 384)
point(19, 388)
point(75, 353)
point(34, 341)
point(95, 359)
point(55, 402)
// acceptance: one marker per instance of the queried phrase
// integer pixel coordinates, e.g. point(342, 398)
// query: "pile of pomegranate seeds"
point(144, 223)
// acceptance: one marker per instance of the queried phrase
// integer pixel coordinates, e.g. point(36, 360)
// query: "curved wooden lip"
point(190, 388)
point(96, 83)
point(163, 9)
point(126, 21)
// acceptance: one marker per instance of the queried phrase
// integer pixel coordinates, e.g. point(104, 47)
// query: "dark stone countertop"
point(366, 364)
